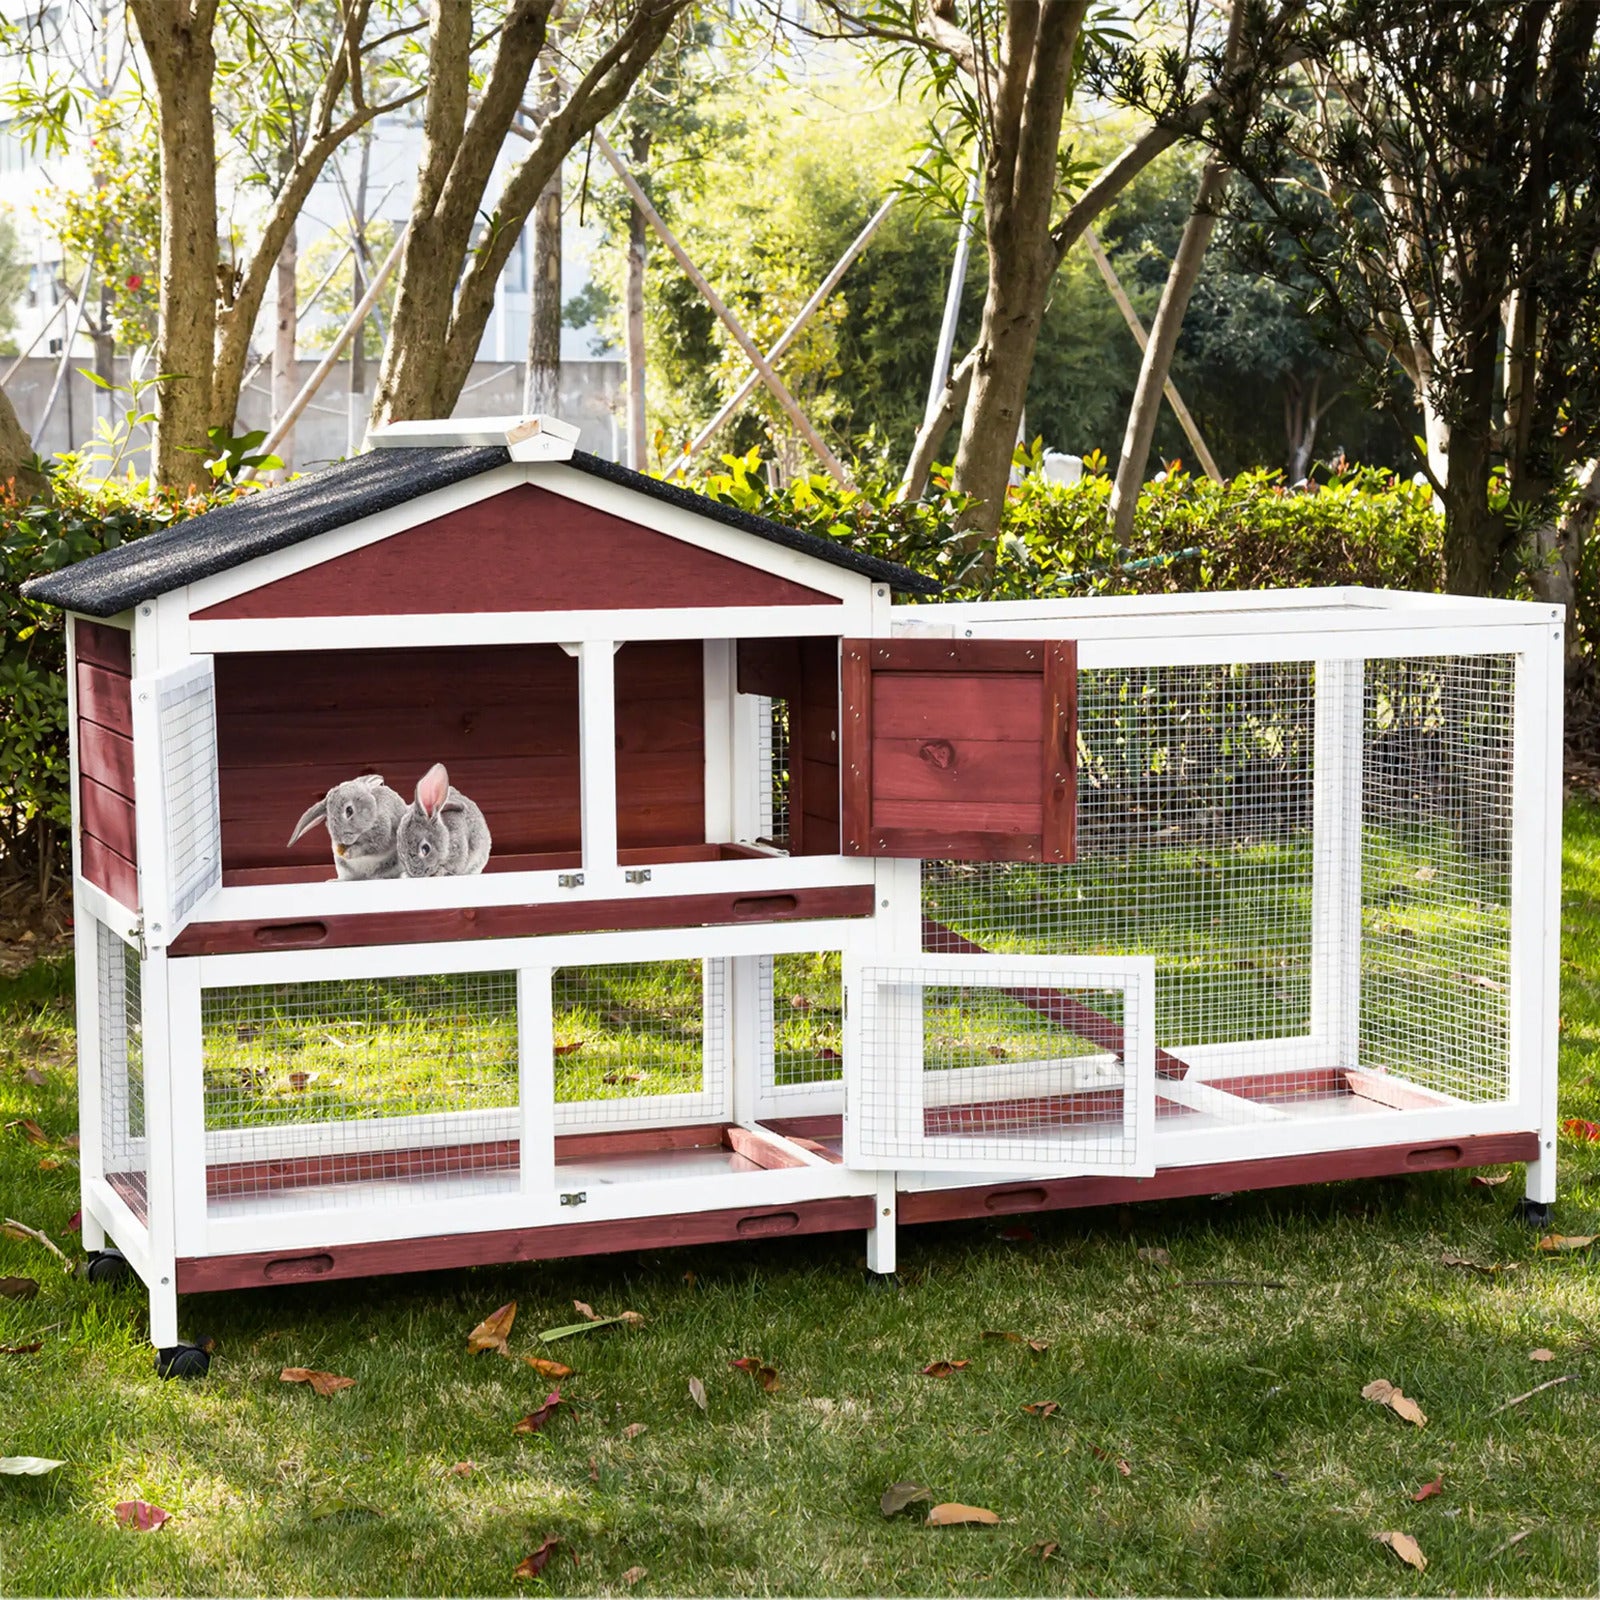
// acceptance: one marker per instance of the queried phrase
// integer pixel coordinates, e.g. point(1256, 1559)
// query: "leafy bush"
point(37, 537)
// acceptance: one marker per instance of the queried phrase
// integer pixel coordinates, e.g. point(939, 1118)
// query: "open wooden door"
point(983, 1064)
point(960, 749)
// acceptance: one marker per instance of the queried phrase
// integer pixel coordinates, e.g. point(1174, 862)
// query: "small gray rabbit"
point(362, 818)
point(442, 832)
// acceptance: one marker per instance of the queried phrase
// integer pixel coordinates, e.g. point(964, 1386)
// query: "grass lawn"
point(1209, 1437)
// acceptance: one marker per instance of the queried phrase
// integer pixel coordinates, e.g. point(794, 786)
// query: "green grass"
point(1254, 1465)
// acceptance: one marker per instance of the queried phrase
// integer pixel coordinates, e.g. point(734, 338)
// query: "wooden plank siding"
point(502, 718)
point(106, 835)
point(526, 549)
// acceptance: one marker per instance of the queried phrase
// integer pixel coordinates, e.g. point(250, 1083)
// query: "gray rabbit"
point(442, 832)
point(362, 818)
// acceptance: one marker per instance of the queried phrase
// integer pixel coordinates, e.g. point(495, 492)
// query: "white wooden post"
point(597, 753)
point(91, 1110)
point(1534, 998)
point(882, 1253)
point(160, 1196)
point(188, 1108)
point(1336, 860)
point(536, 1084)
point(720, 771)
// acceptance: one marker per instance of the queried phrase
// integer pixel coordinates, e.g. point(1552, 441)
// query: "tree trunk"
point(1164, 331)
point(542, 396)
point(356, 404)
point(177, 41)
point(284, 386)
point(1020, 179)
point(15, 449)
point(633, 317)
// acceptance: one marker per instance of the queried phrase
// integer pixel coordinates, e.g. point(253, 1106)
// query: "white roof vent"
point(527, 438)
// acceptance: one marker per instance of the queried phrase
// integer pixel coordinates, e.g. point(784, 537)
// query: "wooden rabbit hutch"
point(809, 908)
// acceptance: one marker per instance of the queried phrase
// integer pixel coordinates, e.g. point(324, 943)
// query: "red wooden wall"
point(503, 719)
point(107, 838)
point(526, 549)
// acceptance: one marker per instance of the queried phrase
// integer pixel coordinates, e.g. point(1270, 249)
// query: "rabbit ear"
point(373, 780)
point(314, 815)
point(433, 789)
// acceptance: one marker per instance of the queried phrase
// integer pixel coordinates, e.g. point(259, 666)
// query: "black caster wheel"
point(106, 1266)
point(185, 1360)
point(1535, 1213)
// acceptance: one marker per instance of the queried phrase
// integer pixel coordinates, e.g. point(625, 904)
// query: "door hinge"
point(574, 1198)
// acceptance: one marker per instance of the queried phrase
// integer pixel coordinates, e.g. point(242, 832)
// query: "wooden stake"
point(1131, 317)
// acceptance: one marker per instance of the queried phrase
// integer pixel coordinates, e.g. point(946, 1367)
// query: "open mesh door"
point(1017, 1064)
point(175, 721)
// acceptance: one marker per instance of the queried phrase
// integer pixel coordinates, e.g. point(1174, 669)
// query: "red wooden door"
point(964, 749)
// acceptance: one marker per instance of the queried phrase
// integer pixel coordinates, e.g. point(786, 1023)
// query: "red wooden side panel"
point(523, 550)
point(106, 834)
point(959, 748)
point(502, 718)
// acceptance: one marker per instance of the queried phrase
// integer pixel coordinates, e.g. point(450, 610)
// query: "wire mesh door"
point(1017, 1064)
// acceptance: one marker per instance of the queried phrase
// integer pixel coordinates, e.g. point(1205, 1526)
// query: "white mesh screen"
point(801, 1000)
point(360, 1091)
point(639, 1043)
point(772, 754)
point(1017, 1065)
point(186, 705)
point(121, 1044)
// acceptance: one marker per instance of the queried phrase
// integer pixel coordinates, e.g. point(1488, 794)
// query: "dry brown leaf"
point(1009, 1338)
point(633, 1430)
point(586, 1311)
point(34, 1078)
point(298, 1080)
point(944, 1369)
point(571, 1048)
point(31, 1130)
point(535, 1420)
point(632, 1318)
point(49, 1163)
point(1430, 1489)
point(898, 1496)
point(800, 1002)
point(462, 1469)
point(952, 1513)
point(19, 1288)
point(1490, 1180)
point(491, 1333)
point(1387, 1394)
point(1541, 1355)
point(1045, 1550)
point(532, 1566)
point(633, 1575)
point(1105, 1455)
point(1042, 1408)
point(1477, 1266)
point(697, 1393)
point(1156, 1256)
point(22, 1349)
point(1405, 1547)
point(1564, 1243)
point(548, 1369)
point(327, 1384)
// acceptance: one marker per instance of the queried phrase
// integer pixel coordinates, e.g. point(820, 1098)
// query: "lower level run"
point(836, 1214)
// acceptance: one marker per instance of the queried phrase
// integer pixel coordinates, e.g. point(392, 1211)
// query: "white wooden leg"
point(92, 1234)
point(1541, 1184)
point(881, 1236)
point(163, 1314)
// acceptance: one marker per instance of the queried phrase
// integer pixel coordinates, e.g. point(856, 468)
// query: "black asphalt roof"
point(348, 490)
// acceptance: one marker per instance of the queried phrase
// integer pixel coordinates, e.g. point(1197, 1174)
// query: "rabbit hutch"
point(814, 903)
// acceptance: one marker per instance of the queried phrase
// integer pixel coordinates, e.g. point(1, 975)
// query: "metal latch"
point(570, 880)
point(637, 875)
point(576, 1198)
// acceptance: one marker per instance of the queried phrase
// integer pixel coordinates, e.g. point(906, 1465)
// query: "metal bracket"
point(575, 1198)
point(637, 875)
point(570, 880)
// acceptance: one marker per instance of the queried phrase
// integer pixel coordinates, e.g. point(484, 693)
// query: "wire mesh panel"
point(640, 1042)
point(1021, 1064)
point(187, 711)
point(122, 1149)
point(772, 752)
point(360, 1091)
point(1436, 872)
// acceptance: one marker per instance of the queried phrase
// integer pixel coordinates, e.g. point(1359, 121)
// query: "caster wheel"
point(106, 1266)
point(185, 1360)
point(1535, 1213)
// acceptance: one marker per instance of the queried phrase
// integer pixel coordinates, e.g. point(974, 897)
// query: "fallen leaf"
point(1010, 1338)
point(298, 1080)
point(49, 1163)
point(535, 1420)
point(1430, 1489)
point(1478, 1266)
point(1042, 1408)
point(31, 1130)
point(1562, 1243)
point(766, 1376)
point(944, 1369)
point(952, 1513)
point(1156, 1256)
point(1490, 1180)
point(1387, 1394)
point(826, 1054)
point(19, 1288)
point(338, 1505)
point(1038, 1346)
point(462, 1469)
point(623, 1077)
point(548, 1369)
point(1405, 1547)
point(1541, 1355)
point(141, 1514)
point(14, 1230)
point(22, 1349)
point(1105, 1455)
point(27, 1466)
point(75, 1222)
point(491, 1333)
point(745, 1363)
point(697, 1393)
point(634, 1429)
point(999, 1052)
point(1589, 1132)
point(550, 1335)
point(1426, 874)
point(633, 1575)
point(1044, 1551)
point(900, 1495)
point(800, 1002)
point(569, 1049)
point(327, 1384)
point(532, 1566)
point(34, 1077)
